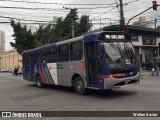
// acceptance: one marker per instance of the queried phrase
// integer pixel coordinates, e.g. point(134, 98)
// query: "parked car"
point(147, 65)
point(20, 71)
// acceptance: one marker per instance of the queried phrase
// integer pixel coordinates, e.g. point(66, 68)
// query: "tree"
point(24, 39)
point(70, 19)
point(83, 26)
point(42, 36)
point(62, 30)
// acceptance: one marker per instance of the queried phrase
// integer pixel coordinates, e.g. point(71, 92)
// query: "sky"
point(101, 12)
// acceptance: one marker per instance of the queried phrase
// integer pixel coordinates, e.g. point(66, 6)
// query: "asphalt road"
point(17, 94)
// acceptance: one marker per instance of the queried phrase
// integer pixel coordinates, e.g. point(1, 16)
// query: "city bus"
point(100, 60)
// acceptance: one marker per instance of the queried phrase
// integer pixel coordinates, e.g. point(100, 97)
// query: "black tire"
point(79, 86)
point(39, 82)
point(109, 90)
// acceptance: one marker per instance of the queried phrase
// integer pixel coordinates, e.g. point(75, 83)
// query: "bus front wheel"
point(79, 86)
point(39, 82)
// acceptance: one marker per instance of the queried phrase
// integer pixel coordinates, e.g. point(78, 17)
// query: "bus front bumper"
point(114, 83)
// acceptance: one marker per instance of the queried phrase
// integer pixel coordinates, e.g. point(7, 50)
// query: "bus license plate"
point(127, 81)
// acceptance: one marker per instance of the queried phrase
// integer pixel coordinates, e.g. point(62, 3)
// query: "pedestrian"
point(15, 71)
point(155, 68)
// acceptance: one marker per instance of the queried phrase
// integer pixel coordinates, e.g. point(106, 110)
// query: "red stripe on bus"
point(111, 76)
point(41, 74)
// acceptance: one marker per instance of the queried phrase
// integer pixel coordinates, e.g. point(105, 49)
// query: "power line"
point(56, 3)
point(103, 13)
point(149, 14)
point(23, 19)
point(117, 4)
point(97, 7)
point(28, 15)
point(130, 2)
point(22, 23)
point(49, 9)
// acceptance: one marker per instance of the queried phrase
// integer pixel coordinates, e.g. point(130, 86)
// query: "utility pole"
point(100, 22)
point(122, 21)
point(155, 23)
point(72, 20)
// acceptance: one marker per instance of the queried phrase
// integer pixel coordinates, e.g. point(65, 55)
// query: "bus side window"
point(76, 50)
point(63, 53)
point(38, 57)
point(52, 55)
point(35, 58)
point(44, 56)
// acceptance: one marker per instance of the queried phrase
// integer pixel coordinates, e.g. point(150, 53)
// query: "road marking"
point(5, 80)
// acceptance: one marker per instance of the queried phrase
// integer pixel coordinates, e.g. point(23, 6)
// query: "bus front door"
point(31, 67)
point(91, 64)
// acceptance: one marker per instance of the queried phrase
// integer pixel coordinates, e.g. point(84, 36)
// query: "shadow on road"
point(55, 88)
point(111, 93)
point(107, 94)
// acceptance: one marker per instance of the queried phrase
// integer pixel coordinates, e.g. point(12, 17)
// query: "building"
point(144, 23)
point(145, 41)
point(10, 59)
point(141, 22)
point(2, 41)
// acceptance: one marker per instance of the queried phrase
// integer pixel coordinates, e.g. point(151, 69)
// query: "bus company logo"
point(6, 114)
point(72, 66)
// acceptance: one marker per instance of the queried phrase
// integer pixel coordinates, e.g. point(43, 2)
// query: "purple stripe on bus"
point(49, 74)
point(44, 74)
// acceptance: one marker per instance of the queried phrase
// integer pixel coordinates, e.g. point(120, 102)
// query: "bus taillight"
point(82, 65)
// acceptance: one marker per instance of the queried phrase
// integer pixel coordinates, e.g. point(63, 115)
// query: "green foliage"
point(24, 39)
point(83, 26)
point(62, 30)
point(42, 35)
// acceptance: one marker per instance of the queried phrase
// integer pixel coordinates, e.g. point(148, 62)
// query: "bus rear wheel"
point(39, 82)
point(79, 86)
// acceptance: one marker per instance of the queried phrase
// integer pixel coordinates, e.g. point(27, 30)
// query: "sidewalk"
point(146, 73)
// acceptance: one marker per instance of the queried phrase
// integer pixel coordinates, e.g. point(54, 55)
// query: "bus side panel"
point(26, 72)
point(76, 68)
point(52, 73)
point(63, 71)
point(28, 66)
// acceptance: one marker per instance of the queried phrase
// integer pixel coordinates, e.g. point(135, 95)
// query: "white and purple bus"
point(100, 60)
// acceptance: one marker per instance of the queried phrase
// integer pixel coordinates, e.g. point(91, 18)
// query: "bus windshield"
point(119, 54)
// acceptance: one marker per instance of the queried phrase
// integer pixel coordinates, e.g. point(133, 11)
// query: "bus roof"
point(89, 37)
point(39, 48)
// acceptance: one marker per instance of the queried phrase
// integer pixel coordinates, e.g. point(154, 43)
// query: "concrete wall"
point(10, 59)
